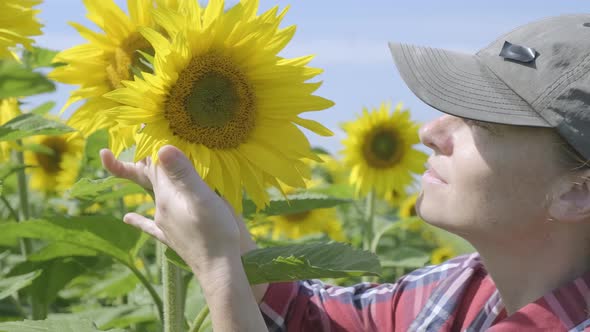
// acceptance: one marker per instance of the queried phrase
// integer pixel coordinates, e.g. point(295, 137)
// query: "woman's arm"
point(202, 228)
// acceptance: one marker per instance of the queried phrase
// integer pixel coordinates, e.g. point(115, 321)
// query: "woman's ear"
point(570, 201)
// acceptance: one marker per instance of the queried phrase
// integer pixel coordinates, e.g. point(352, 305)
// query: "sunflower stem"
point(173, 296)
point(38, 309)
point(151, 290)
point(12, 212)
point(368, 229)
point(200, 319)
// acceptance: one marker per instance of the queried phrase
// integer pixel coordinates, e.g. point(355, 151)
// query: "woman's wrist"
point(226, 289)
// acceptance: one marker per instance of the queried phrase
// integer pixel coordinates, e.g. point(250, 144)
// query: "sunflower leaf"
point(60, 249)
point(406, 257)
point(43, 108)
point(104, 234)
point(120, 316)
point(18, 81)
point(74, 324)
point(38, 148)
point(30, 124)
point(9, 285)
point(296, 203)
point(55, 275)
point(146, 57)
point(88, 189)
point(303, 261)
point(95, 142)
point(7, 169)
point(39, 57)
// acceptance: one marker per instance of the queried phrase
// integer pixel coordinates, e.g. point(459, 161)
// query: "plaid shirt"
point(458, 295)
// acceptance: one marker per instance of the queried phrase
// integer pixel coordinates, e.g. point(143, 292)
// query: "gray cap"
point(536, 75)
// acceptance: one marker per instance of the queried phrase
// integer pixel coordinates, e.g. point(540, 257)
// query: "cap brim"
point(459, 84)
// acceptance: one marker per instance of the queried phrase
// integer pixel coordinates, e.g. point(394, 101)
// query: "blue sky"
point(349, 39)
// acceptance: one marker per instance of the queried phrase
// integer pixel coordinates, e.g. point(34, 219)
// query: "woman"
point(507, 173)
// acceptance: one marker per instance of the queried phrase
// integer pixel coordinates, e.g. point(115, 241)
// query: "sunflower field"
point(210, 80)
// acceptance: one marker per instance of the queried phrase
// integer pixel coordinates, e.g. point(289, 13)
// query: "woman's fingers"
point(146, 225)
point(135, 172)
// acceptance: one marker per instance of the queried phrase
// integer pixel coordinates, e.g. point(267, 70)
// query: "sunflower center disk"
point(125, 57)
point(212, 103)
point(297, 217)
point(50, 162)
point(382, 149)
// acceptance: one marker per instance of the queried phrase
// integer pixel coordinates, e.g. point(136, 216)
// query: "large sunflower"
point(17, 24)
point(55, 170)
point(99, 66)
point(221, 94)
point(8, 110)
point(379, 149)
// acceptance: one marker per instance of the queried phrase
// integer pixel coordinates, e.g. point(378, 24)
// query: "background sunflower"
point(56, 167)
point(379, 149)
point(9, 109)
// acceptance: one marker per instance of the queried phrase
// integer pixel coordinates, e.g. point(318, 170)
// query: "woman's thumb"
point(177, 166)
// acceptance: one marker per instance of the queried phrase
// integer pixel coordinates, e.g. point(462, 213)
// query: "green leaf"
point(296, 203)
point(127, 189)
point(10, 285)
point(120, 316)
point(114, 285)
point(141, 314)
point(56, 274)
point(104, 234)
point(39, 148)
point(445, 238)
point(52, 325)
point(29, 124)
point(89, 189)
point(43, 108)
point(306, 261)
point(147, 57)
point(18, 81)
point(406, 257)
point(9, 168)
point(39, 57)
point(172, 256)
point(95, 142)
point(60, 249)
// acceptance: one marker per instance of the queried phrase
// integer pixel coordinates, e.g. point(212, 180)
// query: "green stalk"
point(23, 193)
point(13, 213)
point(172, 283)
point(200, 319)
point(146, 283)
point(38, 308)
point(369, 227)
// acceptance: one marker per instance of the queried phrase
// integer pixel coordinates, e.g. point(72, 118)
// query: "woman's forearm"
point(246, 245)
point(232, 303)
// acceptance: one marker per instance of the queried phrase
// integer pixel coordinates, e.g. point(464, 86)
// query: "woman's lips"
point(431, 176)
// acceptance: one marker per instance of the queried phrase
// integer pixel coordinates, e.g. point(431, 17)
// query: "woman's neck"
point(527, 268)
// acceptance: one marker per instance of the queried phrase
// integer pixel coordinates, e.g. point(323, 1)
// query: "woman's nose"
point(437, 135)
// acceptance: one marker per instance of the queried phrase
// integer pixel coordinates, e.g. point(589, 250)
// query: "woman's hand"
point(190, 218)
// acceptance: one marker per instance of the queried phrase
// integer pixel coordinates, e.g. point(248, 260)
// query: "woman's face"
point(487, 180)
